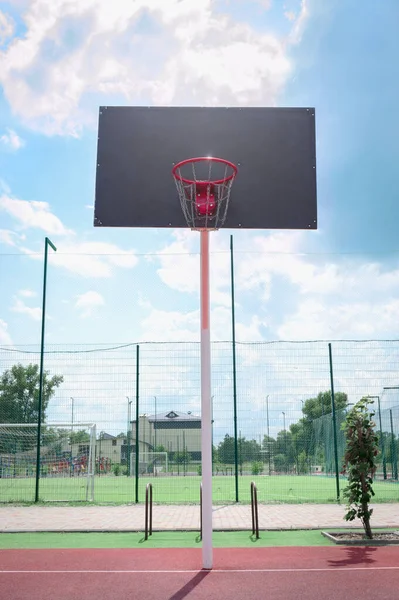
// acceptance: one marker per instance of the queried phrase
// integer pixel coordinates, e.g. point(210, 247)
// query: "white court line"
point(171, 572)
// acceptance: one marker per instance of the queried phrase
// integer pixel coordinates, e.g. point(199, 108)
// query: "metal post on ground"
point(155, 434)
point(129, 426)
point(384, 464)
point(233, 329)
point(334, 423)
point(393, 445)
point(393, 449)
point(47, 243)
point(206, 416)
point(137, 422)
point(268, 432)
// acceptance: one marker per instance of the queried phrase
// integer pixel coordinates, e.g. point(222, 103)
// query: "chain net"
point(204, 189)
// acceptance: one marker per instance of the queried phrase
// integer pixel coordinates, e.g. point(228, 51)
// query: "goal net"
point(67, 462)
point(150, 463)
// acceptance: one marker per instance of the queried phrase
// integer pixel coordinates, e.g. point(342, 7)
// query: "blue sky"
point(60, 61)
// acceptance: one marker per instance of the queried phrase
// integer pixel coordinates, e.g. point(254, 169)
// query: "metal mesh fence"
point(285, 434)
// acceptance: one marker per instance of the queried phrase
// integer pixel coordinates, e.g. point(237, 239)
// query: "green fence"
point(286, 439)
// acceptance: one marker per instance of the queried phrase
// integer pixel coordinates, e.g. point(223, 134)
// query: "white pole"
point(206, 416)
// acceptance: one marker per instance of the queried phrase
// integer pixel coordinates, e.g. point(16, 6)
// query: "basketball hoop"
point(204, 186)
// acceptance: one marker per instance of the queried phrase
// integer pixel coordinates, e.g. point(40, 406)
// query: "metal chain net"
point(188, 193)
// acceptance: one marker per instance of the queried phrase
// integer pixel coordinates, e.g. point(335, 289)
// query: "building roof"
point(106, 436)
point(173, 415)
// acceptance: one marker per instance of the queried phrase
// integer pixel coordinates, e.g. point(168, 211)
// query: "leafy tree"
point(360, 462)
point(182, 457)
point(302, 463)
point(226, 450)
point(19, 393)
point(285, 448)
point(280, 462)
point(248, 450)
point(268, 450)
point(79, 437)
point(257, 467)
point(159, 448)
point(314, 408)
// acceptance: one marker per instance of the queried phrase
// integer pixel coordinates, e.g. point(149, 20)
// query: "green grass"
point(173, 489)
point(164, 539)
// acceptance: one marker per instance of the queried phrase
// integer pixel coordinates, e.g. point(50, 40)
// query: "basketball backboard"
point(274, 149)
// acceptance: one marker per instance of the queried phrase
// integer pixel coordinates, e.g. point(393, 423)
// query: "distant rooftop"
point(173, 415)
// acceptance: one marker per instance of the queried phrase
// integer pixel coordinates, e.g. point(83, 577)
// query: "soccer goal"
point(150, 463)
point(67, 461)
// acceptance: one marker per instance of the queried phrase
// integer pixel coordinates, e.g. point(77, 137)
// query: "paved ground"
point(131, 518)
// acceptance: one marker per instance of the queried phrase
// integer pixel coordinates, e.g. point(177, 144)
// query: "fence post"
point(334, 422)
point(47, 243)
point(393, 450)
point(137, 420)
point(233, 329)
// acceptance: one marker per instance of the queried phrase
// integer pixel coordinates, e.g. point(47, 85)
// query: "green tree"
point(285, 448)
point(181, 457)
point(248, 450)
point(226, 450)
point(79, 437)
point(314, 408)
point(159, 448)
point(360, 462)
point(19, 393)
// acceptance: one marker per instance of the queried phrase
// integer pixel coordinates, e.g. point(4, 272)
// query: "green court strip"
point(169, 539)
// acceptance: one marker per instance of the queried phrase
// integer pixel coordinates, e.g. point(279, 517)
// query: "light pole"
point(129, 424)
point(384, 464)
point(72, 407)
point(268, 433)
point(285, 441)
point(47, 243)
point(212, 422)
point(155, 434)
point(155, 424)
point(393, 446)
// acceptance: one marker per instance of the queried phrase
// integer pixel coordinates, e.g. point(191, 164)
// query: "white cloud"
point(184, 326)
point(319, 297)
point(170, 326)
point(6, 27)
point(357, 320)
point(34, 313)
point(73, 54)
point(88, 302)
point(11, 140)
point(33, 214)
point(27, 293)
point(8, 237)
point(290, 15)
point(5, 337)
point(88, 259)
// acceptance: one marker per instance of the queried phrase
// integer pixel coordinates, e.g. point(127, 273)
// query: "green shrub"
point(117, 470)
point(257, 467)
point(360, 462)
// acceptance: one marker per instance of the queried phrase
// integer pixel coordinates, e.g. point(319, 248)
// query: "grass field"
point(291, 489)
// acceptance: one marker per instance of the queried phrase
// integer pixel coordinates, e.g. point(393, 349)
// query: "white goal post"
point(150, 463)
point(67, 451)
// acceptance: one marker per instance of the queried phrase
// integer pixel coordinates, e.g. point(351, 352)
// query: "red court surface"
point(305, 573)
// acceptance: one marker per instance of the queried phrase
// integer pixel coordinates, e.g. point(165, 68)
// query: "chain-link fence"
point(283, 435)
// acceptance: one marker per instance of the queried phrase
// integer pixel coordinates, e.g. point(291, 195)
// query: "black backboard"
point(274, 149)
